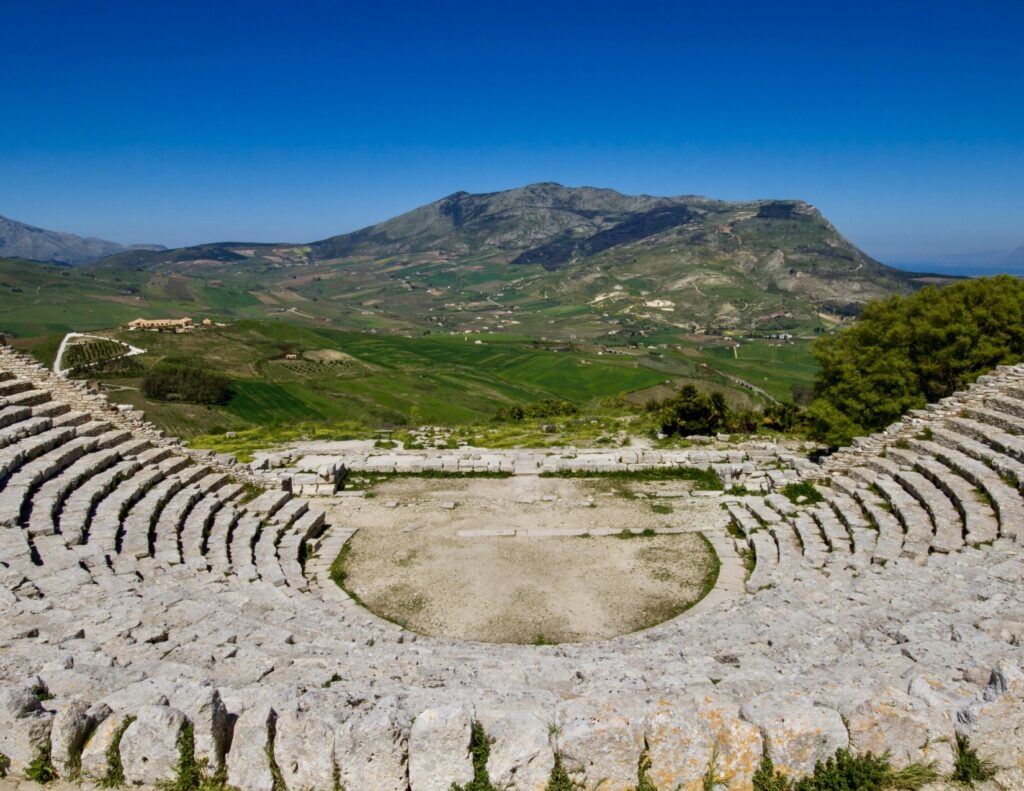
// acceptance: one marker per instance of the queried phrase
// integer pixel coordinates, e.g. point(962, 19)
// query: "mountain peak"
point(21, 240)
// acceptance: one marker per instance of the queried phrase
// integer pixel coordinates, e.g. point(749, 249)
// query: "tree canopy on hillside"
point(192, 384)
point(904, 352)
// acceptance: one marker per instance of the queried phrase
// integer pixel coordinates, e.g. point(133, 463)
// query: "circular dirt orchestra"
point(491, 560)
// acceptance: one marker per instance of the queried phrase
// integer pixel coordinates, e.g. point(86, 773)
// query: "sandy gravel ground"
point(408, 563)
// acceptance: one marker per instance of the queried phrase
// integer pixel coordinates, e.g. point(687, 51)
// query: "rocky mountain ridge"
point(21, 240)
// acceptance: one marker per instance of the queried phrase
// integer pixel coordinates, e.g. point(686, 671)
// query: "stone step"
point(976, 514)
point(51, 496)
point(15, 432)
point(999, 450)
point(812, 544)
point(175, 513)
point(14, 456)
point(9, 415)
point(1005, 500)
point(199, 523)
point(766, 565)
point(948, 525)
point(837, 538)
point(916, 521)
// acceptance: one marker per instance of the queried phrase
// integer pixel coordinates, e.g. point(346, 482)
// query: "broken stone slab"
point(72, 724)
point(910, 731)
point(798, 733)
point(439, 748)
point(601, 741)
point(521, 757)
point(372, 748)
point(150, 745)
point(304, 751)
point(248, 761)
point(93, 760)
point(24, 726)
point(683, 735)
point(205, 710)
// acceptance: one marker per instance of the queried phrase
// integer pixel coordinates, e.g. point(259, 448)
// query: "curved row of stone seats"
point(264, 553)
point(1004, 499)
point(976, 515)
point(199, 523)
point(947, 524)
point(240, 552)
point(106, 526)
point(138, 528)
point(218, 541)
point(168, 529)
point(837, 538)
point(916, 523)
point(308, 690)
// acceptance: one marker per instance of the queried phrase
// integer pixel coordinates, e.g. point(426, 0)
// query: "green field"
point(286, 373)
point(771, 366)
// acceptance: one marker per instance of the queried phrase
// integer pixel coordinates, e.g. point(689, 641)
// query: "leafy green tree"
point(692, 412)
point(904, 352)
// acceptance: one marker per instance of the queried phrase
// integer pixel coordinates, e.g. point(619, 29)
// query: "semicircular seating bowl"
point(138, 580)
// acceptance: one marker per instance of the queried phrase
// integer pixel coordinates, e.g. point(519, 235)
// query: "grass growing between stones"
point(802, 493)
point(190, 774)
point(114, 777)
point(480, 751)
point(970, 768)
point(5, 765)
point(559, 779)
point(40, 769)
point(848, 772)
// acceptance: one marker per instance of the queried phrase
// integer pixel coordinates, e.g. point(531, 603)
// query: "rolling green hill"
point(550, 261)
point(283, 373)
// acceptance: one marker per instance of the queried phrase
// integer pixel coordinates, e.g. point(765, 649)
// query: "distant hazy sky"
point(182, 121)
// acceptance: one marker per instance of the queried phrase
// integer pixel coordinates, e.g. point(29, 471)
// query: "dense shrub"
point(847, 772)
point(693, 412)
point(904, 352)
point(186, 383)
point(545, 408)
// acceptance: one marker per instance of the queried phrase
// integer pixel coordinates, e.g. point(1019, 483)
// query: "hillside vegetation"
point(279, 373)
point(546, 261)
point(905, 352)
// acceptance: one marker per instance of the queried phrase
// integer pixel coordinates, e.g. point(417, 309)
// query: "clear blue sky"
point(180, 122)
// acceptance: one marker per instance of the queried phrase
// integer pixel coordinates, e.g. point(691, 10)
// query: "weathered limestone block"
point(798, 733)
point(94, 752)
point(600, 741)
point(439, 748)
point(996, 731)
point(24, 726)
point(71, 727)
point(682, 735)
point(149, 747)
point(372, 749)
point(248, 761)
point(910, 731)
point(304, 751)
point(521, 757)
point(206, 712)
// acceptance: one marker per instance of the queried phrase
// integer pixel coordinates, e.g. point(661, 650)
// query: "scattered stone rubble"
point(140, 581)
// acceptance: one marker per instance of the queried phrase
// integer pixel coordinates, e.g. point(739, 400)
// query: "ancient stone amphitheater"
point(146, 593)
